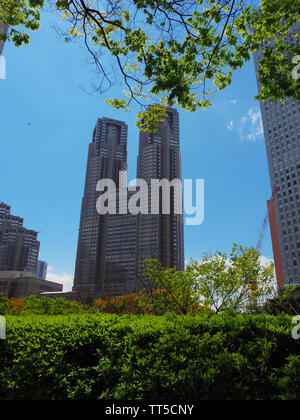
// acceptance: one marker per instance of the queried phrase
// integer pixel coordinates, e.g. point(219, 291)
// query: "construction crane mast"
point(270, 217)
point(265, 223)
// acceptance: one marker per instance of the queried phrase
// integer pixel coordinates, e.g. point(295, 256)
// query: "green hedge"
point(148, 357)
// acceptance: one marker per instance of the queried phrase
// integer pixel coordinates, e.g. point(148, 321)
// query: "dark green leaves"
point(148, 357)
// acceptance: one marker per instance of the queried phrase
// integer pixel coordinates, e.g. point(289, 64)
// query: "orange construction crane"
point(270, 216)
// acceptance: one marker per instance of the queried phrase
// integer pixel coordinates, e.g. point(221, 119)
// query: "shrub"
point(170, 357)
point(41, 306)
point(4, 302)
point(156, 302)
point(130, 304)
point(15, 306)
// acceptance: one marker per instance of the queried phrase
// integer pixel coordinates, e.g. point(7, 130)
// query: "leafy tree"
point(236, 282)
point(174, 52)
point(21, 16)
point(168, 290)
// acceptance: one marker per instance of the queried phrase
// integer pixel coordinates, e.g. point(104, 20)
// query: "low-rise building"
point(21, 284)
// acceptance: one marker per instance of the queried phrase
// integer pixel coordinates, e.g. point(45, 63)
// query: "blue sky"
point(42, 164)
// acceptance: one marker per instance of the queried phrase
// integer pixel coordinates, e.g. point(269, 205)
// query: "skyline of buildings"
point(281, 154)
point(281, 126)
point(112, 248)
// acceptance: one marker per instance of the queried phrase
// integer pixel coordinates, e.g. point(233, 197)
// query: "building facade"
point(160, 235)
point(20, 284)
point(19, 247)
point(120, 252)
point(281, 124)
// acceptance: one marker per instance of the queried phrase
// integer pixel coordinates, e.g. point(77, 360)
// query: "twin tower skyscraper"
point(112, 247)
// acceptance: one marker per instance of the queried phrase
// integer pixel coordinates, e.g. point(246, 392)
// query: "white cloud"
point(65, 278)
point(233, 101)
point(251, 127)
point(265, 261)
point(230, 125)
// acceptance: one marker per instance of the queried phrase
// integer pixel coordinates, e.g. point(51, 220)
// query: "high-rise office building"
point(107, 156)
point(112, 247)
point(160, 236)
point(281, 124)
point(19, 247)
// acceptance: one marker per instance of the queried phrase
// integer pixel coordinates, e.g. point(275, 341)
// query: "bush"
point(156, 302)
point(127, 304)
point(42, 306)
point(170, 357)
point(3, 304)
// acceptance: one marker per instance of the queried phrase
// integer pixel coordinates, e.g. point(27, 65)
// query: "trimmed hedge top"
point(149, 357)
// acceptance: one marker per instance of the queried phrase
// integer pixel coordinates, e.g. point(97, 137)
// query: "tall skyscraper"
point(160, 236)
point(19, 247)
point(107, 156)
point(281, 124)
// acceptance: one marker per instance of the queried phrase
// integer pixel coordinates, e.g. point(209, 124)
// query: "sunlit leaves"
point(19, 14)
point(233, 282)
point(183, 52)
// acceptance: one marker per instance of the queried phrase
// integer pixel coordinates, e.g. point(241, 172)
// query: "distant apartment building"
point(41, 271)
point(281, 124)
point(160, 236)
point(19, 247)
